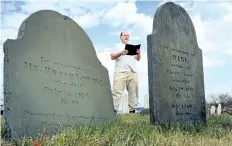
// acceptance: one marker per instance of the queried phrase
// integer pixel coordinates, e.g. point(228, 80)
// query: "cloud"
point(89, 20)
point(116, 16)
point(213, 31)
point(12, 20)
point(8, 7)
point(30, 7)
point(72, 8)
point(125, 17)
point(86, 13)
point(106, 61)
point(8, 33)
point(210, 62)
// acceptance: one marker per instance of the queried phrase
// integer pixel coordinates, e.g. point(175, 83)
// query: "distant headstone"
point(175, 69)
point(219, 109)
point(125, 107)
point(212, 110)
point(53, 78)
point(146, 101)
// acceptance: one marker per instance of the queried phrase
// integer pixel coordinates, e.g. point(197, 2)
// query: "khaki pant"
point(130, 81)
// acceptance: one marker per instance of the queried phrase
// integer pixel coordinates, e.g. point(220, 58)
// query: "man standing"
point(125, 74)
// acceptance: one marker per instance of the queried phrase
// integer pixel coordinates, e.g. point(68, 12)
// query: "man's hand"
point(117, 55)
point(138, 56)
point(124, 52)
point(138, 51)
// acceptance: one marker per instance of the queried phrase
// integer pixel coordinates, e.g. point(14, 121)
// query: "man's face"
point(125, 37)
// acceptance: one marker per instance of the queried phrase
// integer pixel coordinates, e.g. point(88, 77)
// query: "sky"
point(103, 21)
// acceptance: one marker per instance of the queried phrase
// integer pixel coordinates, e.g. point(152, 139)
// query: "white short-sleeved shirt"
point(124, 63)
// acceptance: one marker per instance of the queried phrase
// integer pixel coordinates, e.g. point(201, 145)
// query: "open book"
point(132, 48)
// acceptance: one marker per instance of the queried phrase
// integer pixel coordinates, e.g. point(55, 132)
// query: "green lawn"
point(135, 130)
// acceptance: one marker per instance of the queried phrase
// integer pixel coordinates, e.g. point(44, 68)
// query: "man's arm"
point(115, 56)
point(138, 56)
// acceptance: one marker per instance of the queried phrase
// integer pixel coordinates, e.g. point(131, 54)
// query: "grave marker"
point(219, 109)
point(175, 68)
point(53, 78)
point(146, 101)
point(212, 110)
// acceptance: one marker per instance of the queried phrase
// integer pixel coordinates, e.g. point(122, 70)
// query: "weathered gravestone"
point(212, 110)
point(53, 78)
point(219, 109)
point(175, 69)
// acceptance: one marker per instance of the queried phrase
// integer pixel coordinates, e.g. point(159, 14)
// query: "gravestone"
point(53, 78)
point(125, 107)
point(219, 109)
point(146, 101)
point(212, 110)
point(175, 69)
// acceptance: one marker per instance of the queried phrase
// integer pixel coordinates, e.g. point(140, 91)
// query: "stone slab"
point(53, 78)
point(175, 68)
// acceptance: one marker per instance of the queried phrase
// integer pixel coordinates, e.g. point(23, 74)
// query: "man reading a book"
point(125, 74)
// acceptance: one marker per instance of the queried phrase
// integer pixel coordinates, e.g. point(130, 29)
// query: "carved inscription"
point(8, 96)
point(59, 72)
point(70, 102)
point(179, 58)
point(65, 93)
point(73, 77)
point(54, 124)
point(181, 114)
point(183, 109)
point(41, 30)
point(182, 106)
point(64, 116)
point(180, 71)
point(185, 81)
point(181, 66)
point(179, 96)
point(66, 83)
point(181, 88)
point(174, 50)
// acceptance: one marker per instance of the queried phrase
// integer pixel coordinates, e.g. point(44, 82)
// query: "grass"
point(135, 130)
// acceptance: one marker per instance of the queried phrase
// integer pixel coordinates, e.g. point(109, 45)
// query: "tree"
point(224, 99)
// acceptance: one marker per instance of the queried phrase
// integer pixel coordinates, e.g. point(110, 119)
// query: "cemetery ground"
point(136, 130)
